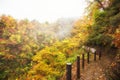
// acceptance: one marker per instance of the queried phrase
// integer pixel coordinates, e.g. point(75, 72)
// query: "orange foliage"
point(8, 21)
point(117, 40)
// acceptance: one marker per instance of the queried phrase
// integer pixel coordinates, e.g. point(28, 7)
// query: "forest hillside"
point(30, 50)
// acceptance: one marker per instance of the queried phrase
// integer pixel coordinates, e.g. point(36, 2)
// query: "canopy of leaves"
point(106, 22)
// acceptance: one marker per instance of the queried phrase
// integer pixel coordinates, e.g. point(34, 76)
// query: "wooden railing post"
point(95, 56)
point(78, 67)
point(68, 71)
point(83, 61)
point(88, 57)
point(100, 54)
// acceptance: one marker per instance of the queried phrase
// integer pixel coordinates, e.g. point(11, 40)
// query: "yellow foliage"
point(117, 40)
point(15, 38)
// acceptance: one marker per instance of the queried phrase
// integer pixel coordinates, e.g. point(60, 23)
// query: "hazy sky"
point(42, 10)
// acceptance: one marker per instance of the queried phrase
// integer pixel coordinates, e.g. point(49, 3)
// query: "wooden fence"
point(69, 65)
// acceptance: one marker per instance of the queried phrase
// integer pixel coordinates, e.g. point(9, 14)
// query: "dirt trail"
point(95, 70)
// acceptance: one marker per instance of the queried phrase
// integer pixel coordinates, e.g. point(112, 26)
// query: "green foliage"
point(105, 23)
point(100, 18)
point(100, 39)
point(115, 19)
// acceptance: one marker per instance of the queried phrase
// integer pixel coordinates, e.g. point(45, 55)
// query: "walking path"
point(95, 70)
